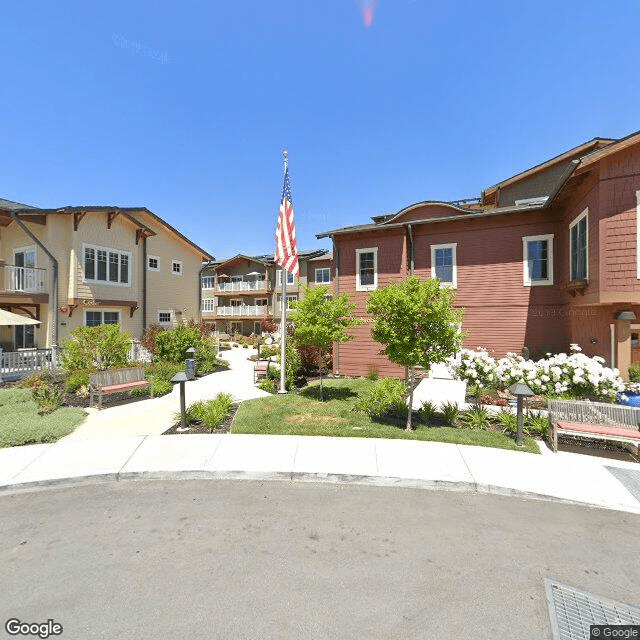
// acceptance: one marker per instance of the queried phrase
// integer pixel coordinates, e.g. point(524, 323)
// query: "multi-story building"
point(238, 293)
point(545, 258)
point(92, 265)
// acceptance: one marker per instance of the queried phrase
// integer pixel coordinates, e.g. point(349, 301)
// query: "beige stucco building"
point(91, 265)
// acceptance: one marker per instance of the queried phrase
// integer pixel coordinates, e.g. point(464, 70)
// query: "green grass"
point(21, 424)
point(302, 414)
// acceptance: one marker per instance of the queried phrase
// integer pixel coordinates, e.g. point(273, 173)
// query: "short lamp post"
point(190, 363)
point(181, 377)
point(520, 390)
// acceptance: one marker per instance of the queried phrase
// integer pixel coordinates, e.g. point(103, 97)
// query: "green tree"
point(320, 320)
point(416, 323)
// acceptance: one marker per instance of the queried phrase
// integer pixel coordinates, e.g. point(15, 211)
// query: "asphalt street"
point(246, 559)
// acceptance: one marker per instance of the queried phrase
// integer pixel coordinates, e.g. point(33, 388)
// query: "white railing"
point(245, 285)
point(24, 279)
point(243, 310)
point(16, 364)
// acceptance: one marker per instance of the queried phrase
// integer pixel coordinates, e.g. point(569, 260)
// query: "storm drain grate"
point(629, 478)
point(573, 611)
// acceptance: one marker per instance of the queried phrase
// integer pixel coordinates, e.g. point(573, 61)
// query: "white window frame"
point(258, 324)
point(211, 278)
point(454, 266)
point(638, 233)
point(109, 250)
point(212, 305)
point(323, 269)
point(289, 275)
point(174, 262)
point(367, 287)
point(235, 323)
point(101, 312)
point(525, 260)
point(149, 267)
point(167, 323)
point(584, 214)
point(266, 302)
point(33, 248)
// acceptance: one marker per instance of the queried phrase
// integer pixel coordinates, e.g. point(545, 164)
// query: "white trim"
point(31, 247)
point(176, 273)
point(584, 214)
point(638, 233)
point(94, 280)
point(170, 321)
point(612, 329)
point(213, 282)
point(525, 260)
point(102, 312)
point(149, 268)
point(367, 287)
point(289, 274)
point(322, 269)
point(454, 259)
point(212, 305)
point(266, 302)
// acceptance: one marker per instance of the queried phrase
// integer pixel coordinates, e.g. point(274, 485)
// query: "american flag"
point(286, 247)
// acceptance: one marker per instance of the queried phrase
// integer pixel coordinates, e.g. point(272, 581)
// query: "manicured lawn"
point(20, 422)
point(301, 414)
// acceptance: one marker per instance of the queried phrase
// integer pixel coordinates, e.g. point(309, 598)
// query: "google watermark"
point(136, 47)
point(15, 627)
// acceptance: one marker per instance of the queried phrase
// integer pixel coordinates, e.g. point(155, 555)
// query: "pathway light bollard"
point(258, 343)
point(190, 363)
point(520, 390)
point(181, 377)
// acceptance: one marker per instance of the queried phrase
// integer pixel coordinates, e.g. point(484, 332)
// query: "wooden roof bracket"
point(77, 217)
point(111, 215)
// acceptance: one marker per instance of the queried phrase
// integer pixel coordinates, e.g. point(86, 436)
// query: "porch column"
point(623, 347)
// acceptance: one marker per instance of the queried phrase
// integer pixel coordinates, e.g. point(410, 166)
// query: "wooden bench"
point(115, 380)
point(595, 420)
point(261, 370)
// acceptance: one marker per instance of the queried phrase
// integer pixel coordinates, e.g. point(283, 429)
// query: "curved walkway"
point(562, 477)
point(155, 416)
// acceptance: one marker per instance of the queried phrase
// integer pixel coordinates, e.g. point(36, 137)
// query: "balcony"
point(243, 310)
point(30, 280)
point(244, 285)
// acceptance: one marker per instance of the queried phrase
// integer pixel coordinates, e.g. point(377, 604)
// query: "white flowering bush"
point(574, 373)
point(476, 367)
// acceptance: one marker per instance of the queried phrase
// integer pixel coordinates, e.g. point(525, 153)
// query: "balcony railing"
point(245, 285)
point(24, 279)
point(243, 310)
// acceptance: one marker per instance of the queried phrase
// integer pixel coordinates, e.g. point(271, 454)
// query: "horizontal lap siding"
point(620, 180)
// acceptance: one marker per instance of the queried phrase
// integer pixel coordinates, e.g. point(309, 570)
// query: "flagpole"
point(283, 309)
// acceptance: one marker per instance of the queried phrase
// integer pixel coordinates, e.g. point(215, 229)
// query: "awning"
point(9, 319)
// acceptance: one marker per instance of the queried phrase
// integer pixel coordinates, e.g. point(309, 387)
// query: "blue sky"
point(185, 107)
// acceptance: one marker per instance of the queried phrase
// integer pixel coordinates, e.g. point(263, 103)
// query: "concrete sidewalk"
point(155, 416)
point(563, 476)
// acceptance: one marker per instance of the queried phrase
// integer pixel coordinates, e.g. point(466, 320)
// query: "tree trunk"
point(410, 381)
point(321, 360)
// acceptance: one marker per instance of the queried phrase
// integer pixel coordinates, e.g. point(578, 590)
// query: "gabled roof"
point(268, 258)
point(586, 147)
point(129, 213)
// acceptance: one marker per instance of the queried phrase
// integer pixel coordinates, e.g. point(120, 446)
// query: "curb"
point(306, 477)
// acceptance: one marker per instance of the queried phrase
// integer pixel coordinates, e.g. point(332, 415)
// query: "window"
point(208, 304)
point(290, 298)
point(176, 267)
point(366, 269)
point(290, 277)
point(207, 282)
point(444, 264)
point(153, 263)
point(323, 276)
point(164, 317)
point(107, 266)
point(235, 327)
point(537, 257)
point(261, 302)
point(95, 318)
point(257, 328)
point(579, 246)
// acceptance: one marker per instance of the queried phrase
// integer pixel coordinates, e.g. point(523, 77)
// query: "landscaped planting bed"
point(303, 413)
